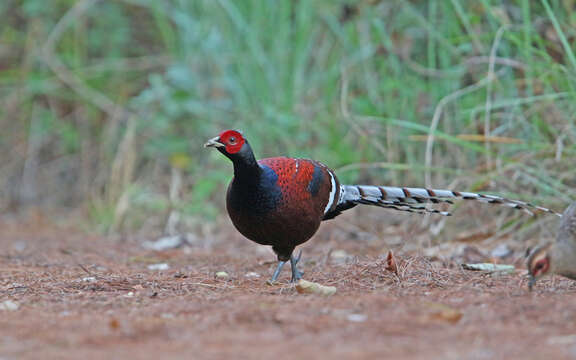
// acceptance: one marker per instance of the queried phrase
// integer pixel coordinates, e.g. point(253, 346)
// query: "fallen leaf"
point(474, 236)
point(391, 263)
point(114, 324)
point(488, 267)
point(308, 287)
point(444, 313)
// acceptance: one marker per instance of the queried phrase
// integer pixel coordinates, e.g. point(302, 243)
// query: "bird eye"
point(232, 140)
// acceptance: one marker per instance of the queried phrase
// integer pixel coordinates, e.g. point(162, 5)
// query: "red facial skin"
point(541, 267)
point(233, 140)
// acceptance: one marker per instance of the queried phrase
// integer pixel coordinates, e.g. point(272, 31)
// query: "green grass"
point(181, 71)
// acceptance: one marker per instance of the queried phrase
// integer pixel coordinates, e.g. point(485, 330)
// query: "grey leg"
point(296, 274)
point(277, 272)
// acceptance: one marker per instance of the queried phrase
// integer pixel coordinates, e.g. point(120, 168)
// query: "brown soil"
point(84, 297)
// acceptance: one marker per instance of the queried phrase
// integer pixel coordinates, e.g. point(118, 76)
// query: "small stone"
point(165, 243)
point(89, 279)
point(160, 266)
point(252, 275)
point(501, 251)
point(339, 256)
point(130, 294)
point(19, 246)
point(9, 305)
point(222, 275)
point(357, 318)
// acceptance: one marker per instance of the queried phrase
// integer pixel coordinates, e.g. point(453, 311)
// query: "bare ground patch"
point(82, 296)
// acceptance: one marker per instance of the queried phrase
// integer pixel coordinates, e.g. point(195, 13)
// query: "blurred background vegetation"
point(105, 104)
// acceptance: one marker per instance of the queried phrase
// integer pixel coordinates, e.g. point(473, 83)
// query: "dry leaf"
point(444, 313)
point(488, 267)
point(475, 236)
point(308, 287)
point(114, 324)
point(391, 263)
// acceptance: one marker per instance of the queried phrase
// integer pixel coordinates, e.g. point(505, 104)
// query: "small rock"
point(165, 243)
point(339, 256)
point(501, 251)
point(9, 305)
point(252, 275)
point(19, 246)
point(562, 340)
point(160, 266)
point(130, 294)
point(357, 318)
point(89, 279)
point(222, 275)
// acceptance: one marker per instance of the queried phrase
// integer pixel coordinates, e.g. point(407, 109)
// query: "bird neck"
point(563, 258)
point(246, 167)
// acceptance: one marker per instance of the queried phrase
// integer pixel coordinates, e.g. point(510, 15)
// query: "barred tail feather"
point(412, 199)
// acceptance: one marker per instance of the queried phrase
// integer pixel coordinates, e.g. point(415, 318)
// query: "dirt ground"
point(82, 296)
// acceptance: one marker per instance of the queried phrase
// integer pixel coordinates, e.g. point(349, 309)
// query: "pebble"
point(161, 266)
point(9, 305)
point(357, 318)
point(252, 275)
point(222, 275)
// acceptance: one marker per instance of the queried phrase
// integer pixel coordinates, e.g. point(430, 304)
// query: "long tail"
point(414, 199)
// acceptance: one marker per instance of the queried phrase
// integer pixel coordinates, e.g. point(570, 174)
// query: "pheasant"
point(558, 257)
point(281, 201)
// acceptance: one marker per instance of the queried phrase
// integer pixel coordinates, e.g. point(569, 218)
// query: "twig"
point(85, 270)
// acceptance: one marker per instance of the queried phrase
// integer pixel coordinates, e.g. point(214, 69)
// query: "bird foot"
point(277, 272)
point(296, 274)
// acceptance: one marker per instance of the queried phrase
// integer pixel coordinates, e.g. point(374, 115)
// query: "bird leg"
point(277, 271)
point(296, 274)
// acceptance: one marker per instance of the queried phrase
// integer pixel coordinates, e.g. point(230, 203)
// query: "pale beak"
point(214, 142)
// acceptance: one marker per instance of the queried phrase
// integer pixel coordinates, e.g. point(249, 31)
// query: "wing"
point(567, 230)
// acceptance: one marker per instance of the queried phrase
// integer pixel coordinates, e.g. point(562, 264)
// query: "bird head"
point(538, 264)
point(232, 144)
